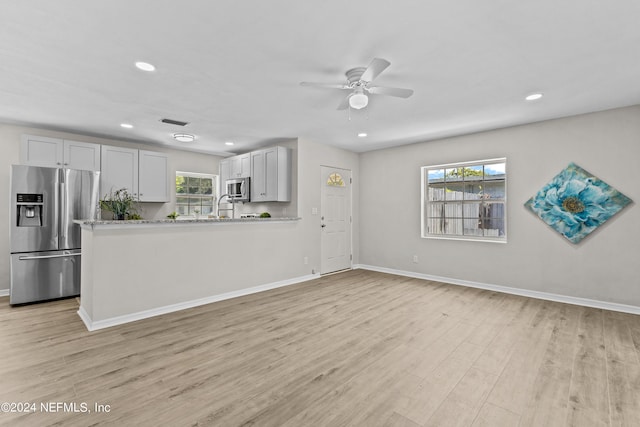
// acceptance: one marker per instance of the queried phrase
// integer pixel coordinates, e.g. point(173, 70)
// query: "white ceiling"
point(232, 68)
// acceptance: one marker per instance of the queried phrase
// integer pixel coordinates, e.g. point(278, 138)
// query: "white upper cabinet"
point(153, 179)
point(225, 171)
point(271, 175)
point(145, 174)
point(119, 170)
point(81, 155)
point(56, 152)
point(235, 167)
point(240, 166)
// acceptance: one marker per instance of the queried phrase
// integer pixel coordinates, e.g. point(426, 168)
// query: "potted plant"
point(120, 203)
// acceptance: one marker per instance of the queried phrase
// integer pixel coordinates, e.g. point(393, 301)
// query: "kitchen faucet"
point(233, 206)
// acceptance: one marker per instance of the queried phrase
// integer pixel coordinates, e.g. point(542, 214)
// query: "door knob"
point(323, 225)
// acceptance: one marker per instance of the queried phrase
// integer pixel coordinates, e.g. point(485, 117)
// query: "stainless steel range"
point(45, 242)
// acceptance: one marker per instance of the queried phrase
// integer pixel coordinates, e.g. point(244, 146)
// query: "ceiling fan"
point(359, 83)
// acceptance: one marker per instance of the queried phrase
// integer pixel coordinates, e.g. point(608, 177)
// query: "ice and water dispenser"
point(29, 210)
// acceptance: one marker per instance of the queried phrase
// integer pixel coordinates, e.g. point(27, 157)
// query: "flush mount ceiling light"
point(534, 96)
point(362, 135)
point(145, 66)
point(126, 125)
point(228, 143)
point(183, 137)
point(358, 100)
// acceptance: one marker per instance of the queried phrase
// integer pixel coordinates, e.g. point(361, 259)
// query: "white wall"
point(602, 267)
point(10, 154)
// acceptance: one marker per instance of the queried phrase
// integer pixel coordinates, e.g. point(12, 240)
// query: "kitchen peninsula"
point(132, 270)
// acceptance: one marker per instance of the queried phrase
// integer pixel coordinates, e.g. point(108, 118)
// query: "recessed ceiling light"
point(183, 137)
point(534, 96)
point(228, 143)
point(362, 134)
point(126, 125)
point(145, 66)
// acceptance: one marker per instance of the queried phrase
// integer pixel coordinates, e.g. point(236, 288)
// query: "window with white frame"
point(465, 200)
point(196, 193)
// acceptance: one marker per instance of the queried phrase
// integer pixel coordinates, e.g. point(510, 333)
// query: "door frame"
point(322, 184)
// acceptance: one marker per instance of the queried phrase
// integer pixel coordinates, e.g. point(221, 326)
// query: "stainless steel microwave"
point(239, 189)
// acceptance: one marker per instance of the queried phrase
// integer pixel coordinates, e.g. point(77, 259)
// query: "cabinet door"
point(153, 176)
point(81, 155)
point(41, 151)
point(258, 184)
point(271, 175)
point(225, 174)
point(119, 170)
point(245, 165)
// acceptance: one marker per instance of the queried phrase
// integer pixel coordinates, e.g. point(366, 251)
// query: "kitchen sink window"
point(465, 201)
point(195, 193)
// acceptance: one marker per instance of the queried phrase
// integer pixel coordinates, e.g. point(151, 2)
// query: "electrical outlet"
point(415, 259)
point(306, 260)
point(314, 211)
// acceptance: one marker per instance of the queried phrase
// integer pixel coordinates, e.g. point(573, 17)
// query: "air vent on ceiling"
point(174, 122)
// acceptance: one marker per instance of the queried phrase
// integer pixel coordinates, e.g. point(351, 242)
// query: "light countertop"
point(179, 222)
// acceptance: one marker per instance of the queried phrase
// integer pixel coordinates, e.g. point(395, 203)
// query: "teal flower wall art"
point(575, 203)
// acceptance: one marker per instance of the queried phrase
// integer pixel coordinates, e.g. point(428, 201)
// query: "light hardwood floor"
point(353, 349)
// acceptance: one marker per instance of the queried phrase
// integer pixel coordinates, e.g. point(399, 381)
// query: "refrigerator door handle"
point(64, 208)
point(56, 212)
point(26, 258)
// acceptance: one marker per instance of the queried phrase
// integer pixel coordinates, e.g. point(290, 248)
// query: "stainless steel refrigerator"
point(45, 241)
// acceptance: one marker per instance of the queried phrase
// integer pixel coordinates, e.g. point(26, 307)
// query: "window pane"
point(435, 175)
point(206, 210)
point(207, 201)
point(453, 210)
point(494, 189)
point(454, 191)
point(206, 185)
point(436, 225)
point(494, 227)
point(182, 200)
point(435, 210)
point(473, 173)
point(473, 191)
point(494, 171)
point(453, 226)
point(436, 192)
point(182, 209)
point(493, 209)
point(454, 174)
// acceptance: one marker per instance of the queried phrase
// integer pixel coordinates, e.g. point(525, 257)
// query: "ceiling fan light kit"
point(358, 100)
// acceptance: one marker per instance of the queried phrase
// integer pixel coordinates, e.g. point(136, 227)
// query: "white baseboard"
point(505, 289)
point(4, 292)
point(119, 320)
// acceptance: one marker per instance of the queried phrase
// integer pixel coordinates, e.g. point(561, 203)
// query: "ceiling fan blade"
point(345, 103)
point(325, 85)
point(391, 91)
point(377, 66)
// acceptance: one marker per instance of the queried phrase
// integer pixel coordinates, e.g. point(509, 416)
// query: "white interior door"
point(335, 219)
